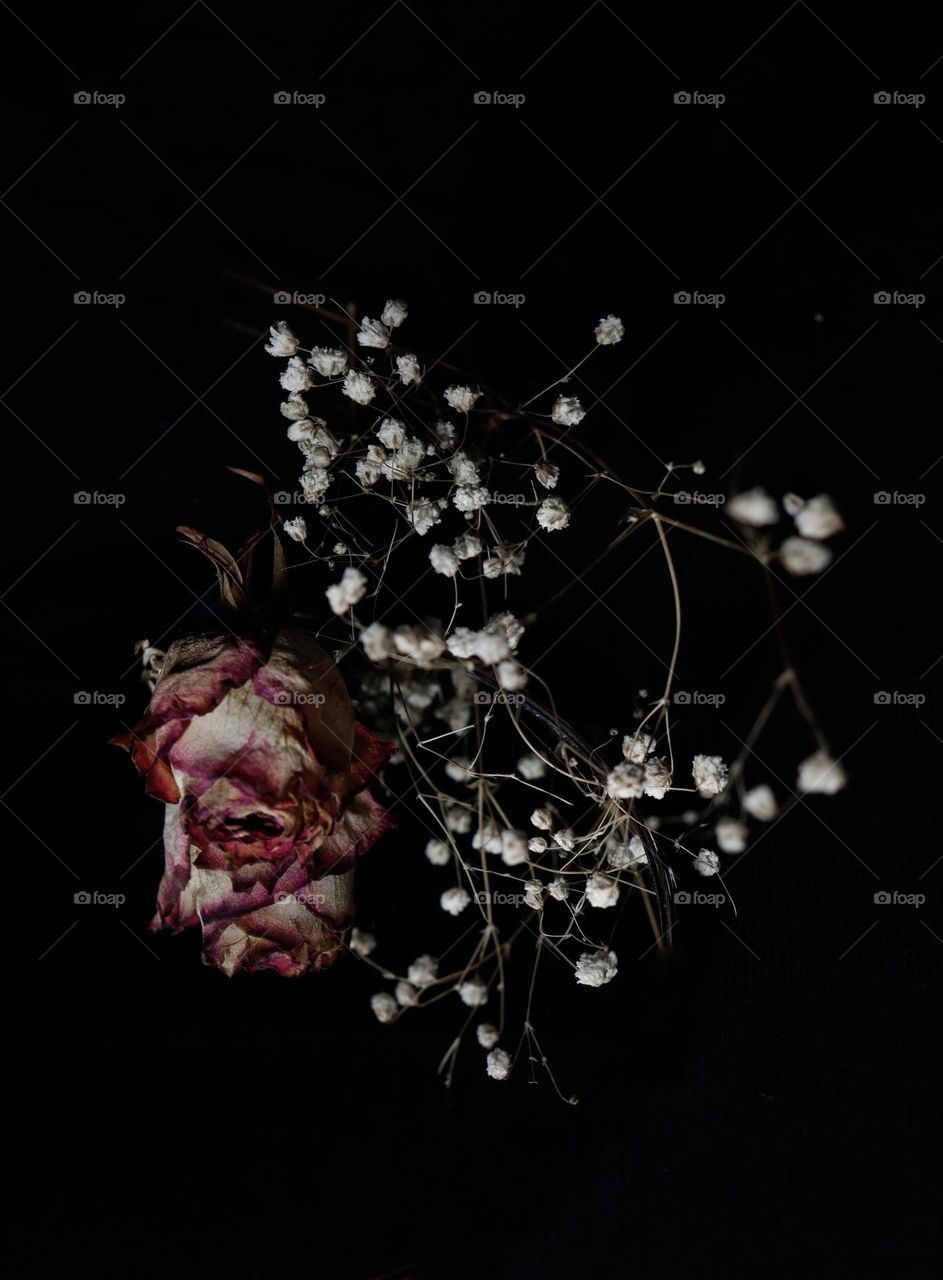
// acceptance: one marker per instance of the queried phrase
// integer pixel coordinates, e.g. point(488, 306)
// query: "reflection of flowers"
point(262, 767)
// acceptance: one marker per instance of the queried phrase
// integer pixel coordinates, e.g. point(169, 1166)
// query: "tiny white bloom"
point(349, 591)
point(558, 889)
point(377, 642)
point(384, 1006)
point(458, 819)
point(462, 469)
point(423, 971)
point(754, 507)
point(455, 900)
point(282, 342)
point(373, 333)
point(596, 968)
point(698, 467)
point(445, 434)
point(406, 994)
point(511, 675)
point(626, 781)
point(408, 369)
point(553, 513)
point(609, 330)
point(760, 803)
point(443, 560)
point(636, 747)
point(487, 1035)
point(393, 313)
point(473, 992)
point(567, 411)
point(542, 819)
point(423, 514)
point(513, 848)
point(362, 944)
point(547, 474)
point(359, 387)
point(531, 767)
point(657, 778)
point(801, 556)
point(461, 399)
point(565, 839)
point(296, 528)
point(295, 407)
point(533, 895)
point(419, 644)
point(601, 891)
point(471, 497)
point(537, 844)
point(620, 856)
point(438, 853)
point(295, 375)
point(498, 1064)
point(467, 546)
point(707, 863)
point(731, 835)
point(329, 362)
point(392, 433)
point(792, 504)
point(315, 482)
point(820, 774)
point(504, 560)
point(710, 775)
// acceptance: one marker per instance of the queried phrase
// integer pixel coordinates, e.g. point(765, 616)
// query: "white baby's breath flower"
point(504, 561)
point(820, 774)
point(473, 993)
point(295, 376)
point(626, 781)
point(377, 642)
point(542, 819)
point(384, 1006)
point(601, 891)
point(392, 433)
point(710, 775)
point(443, 560)
point(471, 497)
point(567, 411)
point(329, 362)
point(295, 407)
point(461, 399)
point(760, 803)
point(445, 433)
point(819, 518)
point(754, 507)
point(296, 528)
point(487, 1035)
point(393, 313)
point(731, 835)
point(282, 342)
point(621, 856)
point(423, 971)
point(792, 504)
point(636, 747)
point(419, 644)
point(455, 900)
point(458, 819)
point(401, 464)
point(462, 469)
point(359, 387)
point(558, 889)
point(423, 514)
point(547, 474)
point(596, 968)
point(698, 467)
point(362, 944)
point(511, 675)
point(406, 994)
point(407, 367)
point(466, 546)
point(487, 837)
point(531, 767)
point(657, 778)
point(513, 848)
point(706, 863)
point(349, 591)
point(490, 645)
point(553, 513)
point(498, 1064)
point(438, 853)
point(609, 330)
point(315, 482)
point(565, 839)
point(533, 895)
point(801, 556)
point(373, 333)
point(537, 844)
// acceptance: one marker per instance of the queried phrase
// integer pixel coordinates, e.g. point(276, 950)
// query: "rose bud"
point(255, 751)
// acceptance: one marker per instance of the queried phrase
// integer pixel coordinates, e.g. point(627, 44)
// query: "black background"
point(765, 1099)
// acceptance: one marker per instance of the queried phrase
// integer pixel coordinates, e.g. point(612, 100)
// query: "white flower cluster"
point(815, 520)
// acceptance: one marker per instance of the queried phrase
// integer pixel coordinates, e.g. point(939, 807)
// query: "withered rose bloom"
point(256, 753)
